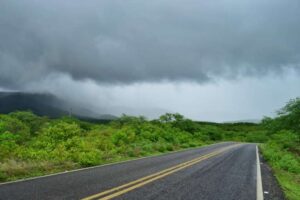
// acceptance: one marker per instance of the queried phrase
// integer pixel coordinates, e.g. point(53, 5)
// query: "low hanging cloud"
point(124, 42)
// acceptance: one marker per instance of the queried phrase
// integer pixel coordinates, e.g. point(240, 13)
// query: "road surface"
point(220, 171)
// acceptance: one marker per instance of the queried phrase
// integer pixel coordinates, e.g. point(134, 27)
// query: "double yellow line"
point(117, 191)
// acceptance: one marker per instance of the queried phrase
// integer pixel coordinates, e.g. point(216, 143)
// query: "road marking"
point(259, 189)
point(141, 179)
point(117, 191)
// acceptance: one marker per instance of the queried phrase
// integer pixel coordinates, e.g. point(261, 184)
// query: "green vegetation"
point(283, 147)
point(31, 145)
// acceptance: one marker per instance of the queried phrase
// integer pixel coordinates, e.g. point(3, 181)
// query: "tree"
point(33, 121)
point(178, 121)
point(289, 115)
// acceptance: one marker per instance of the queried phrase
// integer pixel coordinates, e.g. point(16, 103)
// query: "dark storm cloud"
point(117, 41)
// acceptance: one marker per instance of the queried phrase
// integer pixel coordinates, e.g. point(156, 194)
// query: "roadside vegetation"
point(282, 151)
point(32, 145)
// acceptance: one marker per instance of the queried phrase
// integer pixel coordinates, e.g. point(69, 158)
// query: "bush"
point(286, 139)
point(61, 130)
point(3, 177)
point(124, 136)
point(14, 126)
point(289, 163)
point(257, 136)
point(33, 121)
point(87, 159)
point(7, 144)
point(285, 163)
point(169, 147)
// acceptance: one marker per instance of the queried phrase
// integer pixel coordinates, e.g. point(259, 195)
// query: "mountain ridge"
point(45, 104)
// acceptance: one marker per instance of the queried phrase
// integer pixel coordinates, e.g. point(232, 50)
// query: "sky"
point(218, 60)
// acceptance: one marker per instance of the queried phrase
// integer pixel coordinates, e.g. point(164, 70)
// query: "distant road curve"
point(220, 171)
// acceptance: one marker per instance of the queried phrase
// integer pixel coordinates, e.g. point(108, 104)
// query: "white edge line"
point(108, 164)
point(259, 189)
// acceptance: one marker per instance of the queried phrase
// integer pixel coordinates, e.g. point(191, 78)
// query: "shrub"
point(289, 163)
point(62, 130)
point(14, 126)
point(257, 136)
point(123, 136)
point(169, 147)
point(7, 144)
point(87, 159)
point(286, 139)
point(33, 121)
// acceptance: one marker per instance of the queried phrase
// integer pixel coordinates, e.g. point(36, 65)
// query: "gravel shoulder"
point(271, 187)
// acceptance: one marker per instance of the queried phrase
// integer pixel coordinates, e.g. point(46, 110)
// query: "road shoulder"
point(271, 188)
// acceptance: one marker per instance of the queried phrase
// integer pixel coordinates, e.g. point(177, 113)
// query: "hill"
point(45, 105)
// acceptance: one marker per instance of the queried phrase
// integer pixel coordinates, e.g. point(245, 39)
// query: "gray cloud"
point(144, 41)
point(226, 100)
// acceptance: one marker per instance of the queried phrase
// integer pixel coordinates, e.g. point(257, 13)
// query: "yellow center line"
point(150, 178)
point(139, 180)
point(148, 181)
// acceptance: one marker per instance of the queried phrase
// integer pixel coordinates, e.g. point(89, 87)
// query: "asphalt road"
point(221, 171)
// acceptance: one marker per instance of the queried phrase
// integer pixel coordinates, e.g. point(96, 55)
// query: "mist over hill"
point(255, 121)
point(45, 104)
